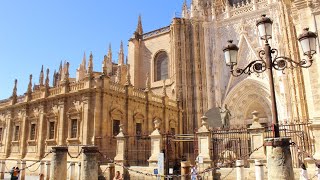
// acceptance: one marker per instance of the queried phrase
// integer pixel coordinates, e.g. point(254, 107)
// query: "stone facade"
point(198, 75)
point(83, 111)
point(177, 90)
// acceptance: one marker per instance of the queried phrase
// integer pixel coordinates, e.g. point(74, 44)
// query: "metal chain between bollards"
point(76, 155)
point(171, 176)
point(27, 167)
point(35, 169)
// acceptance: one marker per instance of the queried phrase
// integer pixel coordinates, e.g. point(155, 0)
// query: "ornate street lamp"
point(269, 59)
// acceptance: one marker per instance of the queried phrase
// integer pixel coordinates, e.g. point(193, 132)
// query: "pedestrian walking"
point(303, 172)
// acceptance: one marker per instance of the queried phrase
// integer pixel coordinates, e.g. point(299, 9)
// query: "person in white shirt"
point(304, 172)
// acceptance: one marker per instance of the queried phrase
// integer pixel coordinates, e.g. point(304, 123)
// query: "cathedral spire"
point(29, 91)
point(54, 78)
point(90, 64)
point(185, 13)
point(121, 55)
point(47, 79)
point(14, 91)
point(110, 53)
point(128, 77)
point(60, 73)
point(41, 77)
point(139, 29)
point(84, 61)
point(66, 72)
point(118, 75)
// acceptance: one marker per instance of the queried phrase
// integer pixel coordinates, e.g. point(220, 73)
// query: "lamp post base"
point(279, 162)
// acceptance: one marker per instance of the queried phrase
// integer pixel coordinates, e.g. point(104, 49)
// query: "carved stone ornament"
point(78, 105)
point(21, 113)
point(36, 112)
point(55, 109)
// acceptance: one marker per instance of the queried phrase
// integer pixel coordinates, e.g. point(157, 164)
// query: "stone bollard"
point(79, 170)
point(279, 161)
point(259, 169)
point(23, 173)
point(41, 168)
point(89, 163)
point(72, 171)
point(111, 171)
point(240, 169)
point(2, 169)
point(185, 170)
point(47, 174)
point(58, 169)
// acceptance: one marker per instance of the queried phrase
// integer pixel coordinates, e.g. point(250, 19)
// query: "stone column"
point(111, 171)
point(121, 150)
point(23, 173)
point(58, 168)
point(204, 145)
point(279, 160)
point(240, 169)
point(185, 170)
point(256, 135)
point(47, 175)
point(2, 169)
point(72, 171)
point(156, 144)
point(89, 163)
point(259, 170)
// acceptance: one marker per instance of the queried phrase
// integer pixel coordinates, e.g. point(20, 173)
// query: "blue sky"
point(35, 33)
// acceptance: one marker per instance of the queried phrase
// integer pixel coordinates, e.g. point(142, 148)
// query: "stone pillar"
point(47, 175)
point(121, 150)
point(62, 133)
point(204, 145)
point(2, 169)
point(256, 135)
point(259, 169)
point(315, 128)
point(72, 171)
point(279, 160)
point(24, 129)
point(185, 170)
point(156, 144)
point(42, 133)
point(89, 163)
point(58, 168)
point(79, 170)
point(9, 131)
point(23, 173)
point(240, 169)
point(42, 166)
point(111, 171)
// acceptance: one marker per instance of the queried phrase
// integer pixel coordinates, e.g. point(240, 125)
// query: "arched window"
point(161, 66)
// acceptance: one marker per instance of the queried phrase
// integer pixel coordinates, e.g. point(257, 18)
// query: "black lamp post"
point(269, 59)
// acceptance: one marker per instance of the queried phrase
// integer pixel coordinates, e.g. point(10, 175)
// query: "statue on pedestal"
point(225, 116)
